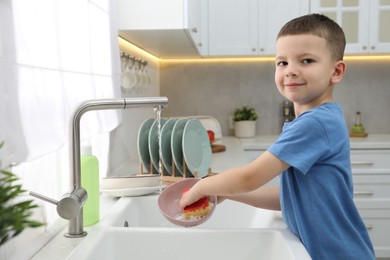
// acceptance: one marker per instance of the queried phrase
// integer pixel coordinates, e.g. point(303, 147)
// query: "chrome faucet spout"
point(100, 104)
point(70, 206)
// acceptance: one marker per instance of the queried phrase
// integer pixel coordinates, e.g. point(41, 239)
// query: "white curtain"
point(53, 55)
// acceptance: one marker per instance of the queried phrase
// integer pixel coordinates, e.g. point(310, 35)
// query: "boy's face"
point(305, 72)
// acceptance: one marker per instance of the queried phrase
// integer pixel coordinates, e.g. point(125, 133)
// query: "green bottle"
point(90, 182)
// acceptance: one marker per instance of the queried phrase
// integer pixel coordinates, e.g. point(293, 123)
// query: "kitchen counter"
point(232, 157)
point(60, 247)
point(372, 141)
point(259, 142)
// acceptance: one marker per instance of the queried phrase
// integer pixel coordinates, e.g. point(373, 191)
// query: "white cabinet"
point(272, 16)
point(232, 27)
point(371, 178)
point(161, 27)
point(198, 24)
point(249, 27)
point(364, 23)
point(379, 38)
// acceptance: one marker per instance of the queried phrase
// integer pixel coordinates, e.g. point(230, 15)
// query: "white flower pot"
point(245, 128)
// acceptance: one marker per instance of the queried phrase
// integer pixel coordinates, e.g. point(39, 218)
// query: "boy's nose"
point(291, 72)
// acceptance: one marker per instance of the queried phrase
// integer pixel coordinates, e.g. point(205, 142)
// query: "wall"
point(123, 153)
point(216, 88)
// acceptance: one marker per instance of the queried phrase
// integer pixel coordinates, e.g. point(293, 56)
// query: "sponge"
point(197, 209)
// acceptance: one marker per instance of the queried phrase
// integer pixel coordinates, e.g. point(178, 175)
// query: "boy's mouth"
point(293, 85)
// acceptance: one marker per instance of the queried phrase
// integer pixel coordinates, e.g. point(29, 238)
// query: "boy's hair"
point(321, 26)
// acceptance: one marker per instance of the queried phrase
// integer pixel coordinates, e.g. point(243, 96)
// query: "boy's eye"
point(307, 61)
point(281, 63)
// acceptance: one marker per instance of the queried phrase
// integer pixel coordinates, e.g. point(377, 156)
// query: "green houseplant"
point(244, 113)
point(245, 121)
point(14, 216)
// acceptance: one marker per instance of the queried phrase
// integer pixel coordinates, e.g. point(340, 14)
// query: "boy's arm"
point(237, 181)
point(263, 197)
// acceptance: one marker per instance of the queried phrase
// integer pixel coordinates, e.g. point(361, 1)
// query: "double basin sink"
point(135, 229)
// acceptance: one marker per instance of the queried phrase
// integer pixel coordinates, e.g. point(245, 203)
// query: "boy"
point(312, 152)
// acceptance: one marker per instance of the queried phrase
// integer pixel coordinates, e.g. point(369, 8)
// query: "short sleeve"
point(302, 143)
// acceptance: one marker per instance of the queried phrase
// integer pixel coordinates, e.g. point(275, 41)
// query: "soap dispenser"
point(90, 182)
point(357, 129)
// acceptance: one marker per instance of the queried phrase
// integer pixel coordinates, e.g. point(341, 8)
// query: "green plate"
point(176, 146)
point(142, 143)
point(196, 148)
point(166, 148)
point(153, 143)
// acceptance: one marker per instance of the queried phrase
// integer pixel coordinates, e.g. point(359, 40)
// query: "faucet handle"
point(43, 197)
point(69, 206)
point(72, 203)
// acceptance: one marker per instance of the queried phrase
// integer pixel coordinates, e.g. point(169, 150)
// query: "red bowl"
point(169, 199)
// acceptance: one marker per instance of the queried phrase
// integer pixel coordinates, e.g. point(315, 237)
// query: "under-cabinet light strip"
point(239, 59)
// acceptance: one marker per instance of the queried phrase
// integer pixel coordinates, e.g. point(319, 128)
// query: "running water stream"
point(158, 118)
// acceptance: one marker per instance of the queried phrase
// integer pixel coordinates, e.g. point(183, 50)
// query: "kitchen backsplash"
point(217, 88)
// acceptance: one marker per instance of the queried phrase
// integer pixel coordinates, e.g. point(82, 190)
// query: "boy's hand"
point(188, 198)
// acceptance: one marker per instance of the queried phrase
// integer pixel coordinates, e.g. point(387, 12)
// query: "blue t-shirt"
point(316, 192)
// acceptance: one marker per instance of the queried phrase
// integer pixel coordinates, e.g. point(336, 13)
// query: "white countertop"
point(59, 247)
point(232, 157)
point(372, 141)
point(259, 142)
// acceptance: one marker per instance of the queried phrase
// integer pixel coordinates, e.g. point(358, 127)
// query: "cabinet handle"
point(369, 227)
point(372, 47)
point(363, 193)
point(362, 163)
point(194, 30)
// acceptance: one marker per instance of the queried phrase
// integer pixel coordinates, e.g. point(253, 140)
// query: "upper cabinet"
point(159, 27)
point(364, 23)
point(248, 27)
point(232, 27)
point(198, 24)
point(193, 28)
point(272, 16)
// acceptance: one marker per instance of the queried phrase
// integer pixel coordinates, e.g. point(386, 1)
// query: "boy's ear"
point(338, 73)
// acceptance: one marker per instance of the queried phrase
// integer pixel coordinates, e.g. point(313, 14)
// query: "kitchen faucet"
point(70, 206)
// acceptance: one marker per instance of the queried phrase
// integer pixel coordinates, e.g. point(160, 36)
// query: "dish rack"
point(169, 179)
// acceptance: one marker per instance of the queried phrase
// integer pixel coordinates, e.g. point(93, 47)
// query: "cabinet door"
point(272, 16)
point(197, 24)
point(352, 16)
point(232, 27)
point(377, 224)
point(379, 22)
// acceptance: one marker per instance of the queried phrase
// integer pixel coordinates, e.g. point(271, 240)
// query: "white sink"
point(235, 231)
point(144, 212)
point(181, 243)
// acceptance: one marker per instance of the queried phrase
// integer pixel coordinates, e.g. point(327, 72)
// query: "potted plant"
point(244, 121)
point(14, 215)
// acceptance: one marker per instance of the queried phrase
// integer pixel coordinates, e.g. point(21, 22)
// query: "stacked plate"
point(136, 185)
point(184, 143)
